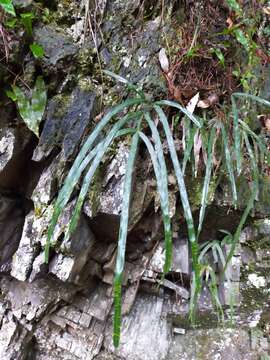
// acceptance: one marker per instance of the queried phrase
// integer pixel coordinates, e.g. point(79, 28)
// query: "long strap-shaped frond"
point(236, 134)
point(91, 139)
point(229, 163)
point(182, 109)
point(90, 173)
point(263, 147)
point(252, 97)
point(188, 148)
point(129, 84)
point(207, 179)
point(120, 261)
point(236, 130)
point(179, 174)
point(64, 196)
point(187, 211)
point(164, 193)
point(162, 185)
point(250, 204)
point(80, 163)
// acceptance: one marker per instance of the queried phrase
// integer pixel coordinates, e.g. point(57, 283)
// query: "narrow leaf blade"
point(120, 261)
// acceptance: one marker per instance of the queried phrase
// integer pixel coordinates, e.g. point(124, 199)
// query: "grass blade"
point(229, 164)
point(181, 108)
point(120, 261)
point(207, 179)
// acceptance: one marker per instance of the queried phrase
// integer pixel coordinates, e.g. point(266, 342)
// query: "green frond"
point(90, 173)
point(80, 163)
point(182, 109)
point(120, 260)
point(229, 164)
point(207, 179)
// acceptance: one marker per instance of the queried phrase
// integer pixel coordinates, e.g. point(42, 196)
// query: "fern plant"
point(138, 118)
point(139, 110)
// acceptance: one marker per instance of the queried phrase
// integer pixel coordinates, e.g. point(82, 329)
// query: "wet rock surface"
point(57, 46)
point(63, 309)
point(68, 116)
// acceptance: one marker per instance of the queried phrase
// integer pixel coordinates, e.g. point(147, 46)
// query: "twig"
point(16, 76)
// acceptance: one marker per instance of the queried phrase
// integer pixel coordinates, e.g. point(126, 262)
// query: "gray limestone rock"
point(7, 147)
point(36, 298)
point(111, 197)
point(57, 46)
point(212, 344)
point(14, 153)
point(71, 256)
point(46, 188)
point(66, 121)
point(15, 340)
point(74, 253)
point(181, 256)
point(247, 255)
point(27, 250)
point(146, 335)
point(11, 224)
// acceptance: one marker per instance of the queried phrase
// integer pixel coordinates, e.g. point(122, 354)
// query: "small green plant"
point(24, 19)
point(233, 4)
point(138, 119)
point(216, 247)
point(219, 54)
point(243, 31)
point(37, 50)
point(8, 7)
point(31, 108)
point(208, 276)
point(27, 19)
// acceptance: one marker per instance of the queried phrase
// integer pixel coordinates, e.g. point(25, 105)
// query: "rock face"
point(212, 344)
point(67, 119)
point(11, 223)
point(62, 310)
point(57, 46)
point(15, 151)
